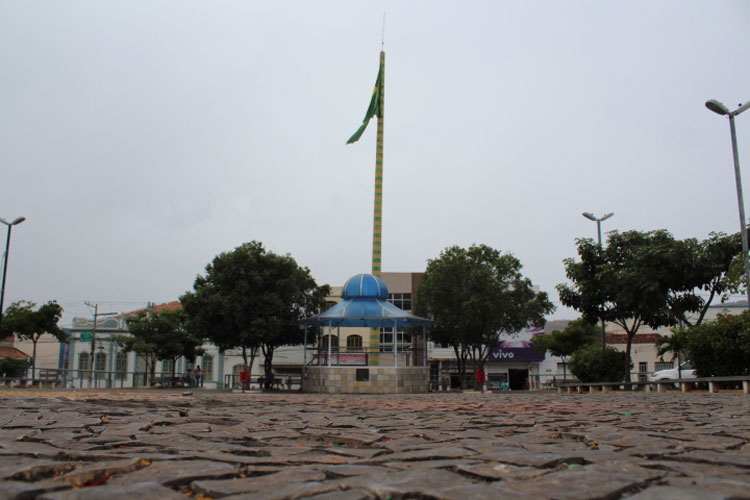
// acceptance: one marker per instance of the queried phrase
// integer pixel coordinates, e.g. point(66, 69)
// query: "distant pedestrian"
point(198, 376)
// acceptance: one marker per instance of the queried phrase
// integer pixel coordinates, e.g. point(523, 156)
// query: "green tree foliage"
point(253, 299)
point(710, 267)
point(13, 368)
point(563, 343)
point(21, 319)
point(639, 278)
point(721, 347)
point(591, 363)
point(159, 335)
point(476, 294)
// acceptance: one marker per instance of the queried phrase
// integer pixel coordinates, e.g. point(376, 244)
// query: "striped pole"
point(377, 223)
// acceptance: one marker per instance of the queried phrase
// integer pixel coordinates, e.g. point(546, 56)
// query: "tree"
point(720, 348)
point(474, 295)
point(253, 299)
point(648, 278)
point(629, 282)
point(711, 268)
point(564, 343)
point(159, 335)
point(591, 363)
point(14, 368)
point(27, 324)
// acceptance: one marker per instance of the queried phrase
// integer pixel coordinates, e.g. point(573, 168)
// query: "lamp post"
point(10, 225)
point(598, 221)
point(720, 109)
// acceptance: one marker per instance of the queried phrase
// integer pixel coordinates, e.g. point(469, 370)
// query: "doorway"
point(517, 379)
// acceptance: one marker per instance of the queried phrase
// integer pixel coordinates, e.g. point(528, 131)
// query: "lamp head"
point(18, 220)
point(607, 216)
point(717, 107)
point(589, 216)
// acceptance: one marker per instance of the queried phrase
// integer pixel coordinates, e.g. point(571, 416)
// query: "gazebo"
point(365, 304)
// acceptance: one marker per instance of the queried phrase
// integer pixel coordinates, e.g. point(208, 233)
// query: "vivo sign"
point(516, 354)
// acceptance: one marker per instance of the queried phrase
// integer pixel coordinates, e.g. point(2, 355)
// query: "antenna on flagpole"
point(382, 39)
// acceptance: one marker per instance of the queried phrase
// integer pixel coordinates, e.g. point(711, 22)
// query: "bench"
point(582, 387)
point(715, 384)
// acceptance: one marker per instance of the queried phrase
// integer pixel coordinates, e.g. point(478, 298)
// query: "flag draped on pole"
point(373, 109)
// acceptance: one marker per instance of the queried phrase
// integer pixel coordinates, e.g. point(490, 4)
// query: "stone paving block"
point(498, 471)
point(436, 453)
point(354, 494)
point(178, 472)
point(668, 492)
point(22, 490)
point(226, 487)
point(139, 491)
point(587, 482)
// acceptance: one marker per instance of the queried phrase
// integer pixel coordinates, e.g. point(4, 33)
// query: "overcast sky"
point(142, 138)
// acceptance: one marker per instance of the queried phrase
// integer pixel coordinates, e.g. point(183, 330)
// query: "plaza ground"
point(161, 444)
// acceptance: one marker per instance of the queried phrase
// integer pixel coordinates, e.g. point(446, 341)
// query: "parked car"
point(686, 371)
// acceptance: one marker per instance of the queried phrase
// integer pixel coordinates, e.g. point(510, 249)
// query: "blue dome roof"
point(364, 285)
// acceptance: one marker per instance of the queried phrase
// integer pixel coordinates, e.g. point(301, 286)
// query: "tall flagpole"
point(377, 223)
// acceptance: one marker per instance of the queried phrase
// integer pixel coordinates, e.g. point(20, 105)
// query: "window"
point(208, 368)
point(100, 364)
point(386, 339)
point(121, 365)
point(84, 365)
point(334, 339)
point(167, 367)
point(354, 342)
point(642, 371)
point(400, 300)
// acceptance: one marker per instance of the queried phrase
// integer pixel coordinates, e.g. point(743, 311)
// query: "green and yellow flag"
point(372, 110)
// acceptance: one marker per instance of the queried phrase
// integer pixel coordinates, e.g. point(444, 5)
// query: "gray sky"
point(142, 138)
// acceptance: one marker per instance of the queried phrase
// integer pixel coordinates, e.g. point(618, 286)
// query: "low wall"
point(365, 380)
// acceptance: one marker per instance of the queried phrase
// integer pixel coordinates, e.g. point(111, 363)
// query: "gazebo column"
point(338, 345)
point(304, 354)
point(424, 346)
point(330, 333)
point(395, 343)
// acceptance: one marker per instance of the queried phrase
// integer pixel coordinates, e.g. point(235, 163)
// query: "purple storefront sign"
point(504, 352)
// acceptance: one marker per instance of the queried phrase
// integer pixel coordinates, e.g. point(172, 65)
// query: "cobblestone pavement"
point(170, 445)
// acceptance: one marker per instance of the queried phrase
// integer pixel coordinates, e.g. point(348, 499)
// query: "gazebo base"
point(365, 380)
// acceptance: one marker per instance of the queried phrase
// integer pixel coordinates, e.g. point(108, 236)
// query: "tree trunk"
point(458, 359)
point(33, 358)
point(629, 342)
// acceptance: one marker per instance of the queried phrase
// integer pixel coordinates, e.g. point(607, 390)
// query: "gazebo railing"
point(404, 357)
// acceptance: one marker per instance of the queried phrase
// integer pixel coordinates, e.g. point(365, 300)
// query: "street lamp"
point(598, 221)
point(5, 263)
point(720, 109)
